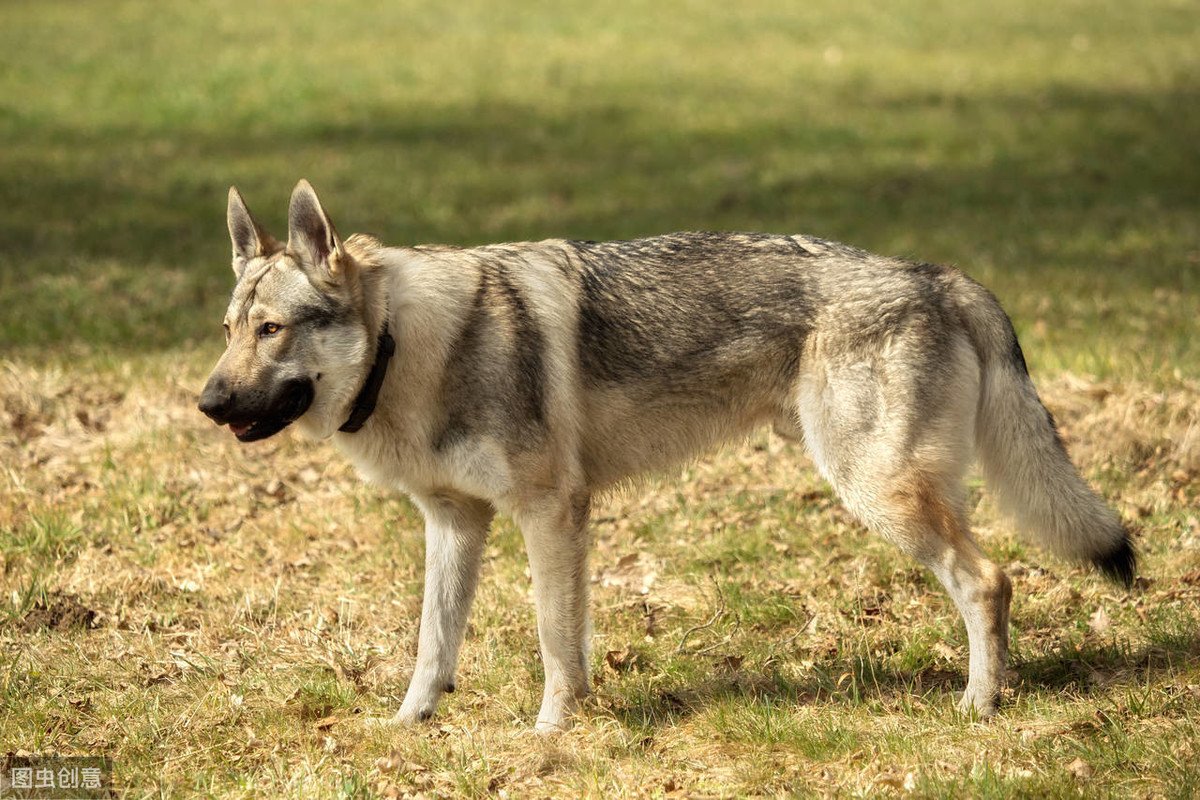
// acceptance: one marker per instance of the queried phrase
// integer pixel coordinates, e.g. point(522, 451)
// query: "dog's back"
point(687, 340)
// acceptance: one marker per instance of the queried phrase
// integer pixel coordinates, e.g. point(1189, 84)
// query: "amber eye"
point(268, 329)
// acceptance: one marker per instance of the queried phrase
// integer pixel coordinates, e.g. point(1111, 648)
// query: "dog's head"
point(297, 344)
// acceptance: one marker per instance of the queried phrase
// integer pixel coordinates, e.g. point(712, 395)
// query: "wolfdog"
point(525, 378)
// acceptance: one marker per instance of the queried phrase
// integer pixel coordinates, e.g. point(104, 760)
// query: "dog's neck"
point(375, 307)
point(367, 252)
point(364, 404)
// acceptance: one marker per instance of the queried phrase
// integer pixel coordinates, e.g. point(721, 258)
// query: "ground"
point(227, 620)
point(230, 621)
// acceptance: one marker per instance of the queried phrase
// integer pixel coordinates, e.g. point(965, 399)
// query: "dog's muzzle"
point(252, 414)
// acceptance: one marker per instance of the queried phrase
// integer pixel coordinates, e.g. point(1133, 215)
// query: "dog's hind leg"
point(455, 532)
point(925, 518)
point(893, 434)
point(555, 528)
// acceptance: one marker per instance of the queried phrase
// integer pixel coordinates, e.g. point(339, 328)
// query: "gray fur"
point(527, 377)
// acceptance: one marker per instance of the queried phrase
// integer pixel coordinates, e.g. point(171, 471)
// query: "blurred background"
point(1048, 149)
point(215, 617)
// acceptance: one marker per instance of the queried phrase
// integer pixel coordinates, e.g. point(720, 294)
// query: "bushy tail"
point(1024, 460)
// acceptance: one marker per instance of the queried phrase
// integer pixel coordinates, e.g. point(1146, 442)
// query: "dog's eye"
point(226, 328)
point(268, 329)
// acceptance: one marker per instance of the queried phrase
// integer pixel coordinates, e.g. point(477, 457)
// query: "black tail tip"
point(1120, 563)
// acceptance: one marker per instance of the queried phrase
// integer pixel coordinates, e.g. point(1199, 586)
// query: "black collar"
point(364, 404)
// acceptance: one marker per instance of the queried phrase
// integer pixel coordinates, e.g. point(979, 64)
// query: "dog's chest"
point(398, 459)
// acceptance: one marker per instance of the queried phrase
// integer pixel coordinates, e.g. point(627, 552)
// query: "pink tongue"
point(238, 430)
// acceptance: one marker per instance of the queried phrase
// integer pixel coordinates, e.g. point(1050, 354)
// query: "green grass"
point(1050, 152)
point(254, 607)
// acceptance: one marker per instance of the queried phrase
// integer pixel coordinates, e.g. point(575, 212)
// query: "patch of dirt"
point(63, 613)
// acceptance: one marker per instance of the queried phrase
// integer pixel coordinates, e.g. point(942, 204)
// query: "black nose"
point(216, 400)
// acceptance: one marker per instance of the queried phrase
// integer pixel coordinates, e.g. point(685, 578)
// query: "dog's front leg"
point(455, 531)
point(555, 530)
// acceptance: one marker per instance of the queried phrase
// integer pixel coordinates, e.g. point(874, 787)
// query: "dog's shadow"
point(1081, 670)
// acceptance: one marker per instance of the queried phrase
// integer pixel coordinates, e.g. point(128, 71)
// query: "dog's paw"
point(549, 728)
point(421, 699)
point(414, 711)
point(409, 717)
point(558, 718)
point(980, 705)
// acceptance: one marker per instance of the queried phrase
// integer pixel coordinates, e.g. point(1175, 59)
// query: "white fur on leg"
point(982, 593)
point(556, 538)
point(455, 531)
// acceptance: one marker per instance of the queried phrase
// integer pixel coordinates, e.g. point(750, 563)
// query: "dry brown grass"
point(221, 619)
point(217, 616)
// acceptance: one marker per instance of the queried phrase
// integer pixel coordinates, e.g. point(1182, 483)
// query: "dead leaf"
point(393, 762)
point(627, 660)
point(891, 780)
point(327, 619)
point(729, 663)
point(945, 651)
point(1080, 769)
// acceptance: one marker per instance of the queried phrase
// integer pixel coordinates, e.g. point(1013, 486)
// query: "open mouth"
point(261, 429)
point(291, 406)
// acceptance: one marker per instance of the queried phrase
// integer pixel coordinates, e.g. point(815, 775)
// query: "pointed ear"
point(311, 234)
point(248, 237)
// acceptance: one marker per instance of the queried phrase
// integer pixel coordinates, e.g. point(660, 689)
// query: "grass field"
point(223, 620)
